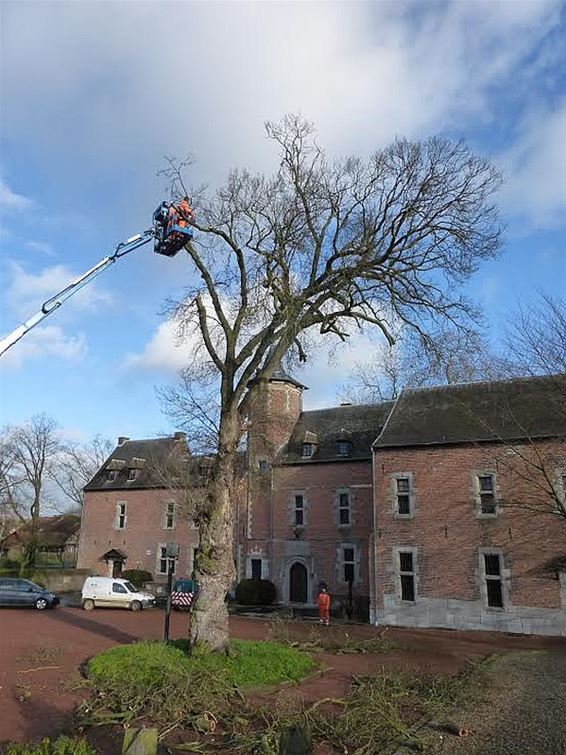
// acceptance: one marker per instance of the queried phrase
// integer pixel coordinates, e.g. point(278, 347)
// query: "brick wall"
point(319, 543)
point(144, 531)
point(450, 538)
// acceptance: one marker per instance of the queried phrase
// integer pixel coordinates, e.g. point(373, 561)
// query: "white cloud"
point(26, 292)
point(46, 341)
point(12, 201)
point(162, 353)
point(535, 169)
point(363, 72)
point(40, 246)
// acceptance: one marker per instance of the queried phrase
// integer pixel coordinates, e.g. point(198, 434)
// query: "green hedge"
point(256, 592)
point(138, 577)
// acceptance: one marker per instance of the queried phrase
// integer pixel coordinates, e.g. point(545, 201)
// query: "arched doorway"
point(298, 583)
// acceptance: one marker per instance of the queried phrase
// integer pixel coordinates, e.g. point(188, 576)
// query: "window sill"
point(396, 515)
point(481, 515)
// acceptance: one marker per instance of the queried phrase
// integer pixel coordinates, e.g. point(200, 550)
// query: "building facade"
point(439, 509)
point(469, 486)
point(130, 514)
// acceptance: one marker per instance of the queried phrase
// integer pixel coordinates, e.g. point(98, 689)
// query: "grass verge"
point(60, 746)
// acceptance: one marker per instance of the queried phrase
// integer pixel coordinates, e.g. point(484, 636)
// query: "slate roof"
point(507, 410)
point(143, 456)
point(360, 425)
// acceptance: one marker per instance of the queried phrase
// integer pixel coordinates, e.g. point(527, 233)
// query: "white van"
point(110, 592)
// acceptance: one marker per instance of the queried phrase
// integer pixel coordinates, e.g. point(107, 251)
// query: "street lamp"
point(171, 554)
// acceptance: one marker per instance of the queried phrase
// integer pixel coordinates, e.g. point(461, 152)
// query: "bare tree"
point(77, 464)
point(452, 355)
point(536, 337)
point(314, 248)
point(29, 451)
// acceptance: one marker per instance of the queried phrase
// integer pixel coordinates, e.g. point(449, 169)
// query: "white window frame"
point(132, 474)
point(502, 578)
point(344, 448)
point(169, 510)
point(310, 447)
point(121, 515)
point(161, 559)
point(111, 475)
point(478, 474)
point(302, 509)
point(355, 562)
point(399, 573)
point(396, 493)
point(348, 507)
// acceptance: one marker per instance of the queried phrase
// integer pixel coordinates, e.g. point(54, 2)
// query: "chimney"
point(122, 439)
point(180, 437)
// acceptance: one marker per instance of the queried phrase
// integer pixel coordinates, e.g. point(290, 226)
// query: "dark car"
point(21, 592)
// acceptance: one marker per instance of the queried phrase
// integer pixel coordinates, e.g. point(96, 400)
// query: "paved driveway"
point(41, 651)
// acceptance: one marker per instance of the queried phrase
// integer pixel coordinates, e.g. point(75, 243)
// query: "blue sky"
point(94, 94)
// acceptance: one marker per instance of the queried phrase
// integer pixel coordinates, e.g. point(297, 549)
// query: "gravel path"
point(524, 712)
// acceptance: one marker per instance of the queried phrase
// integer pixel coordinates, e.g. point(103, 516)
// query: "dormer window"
point(110, 475)
point(132, 474)
point(307, 450)
point(344, 447)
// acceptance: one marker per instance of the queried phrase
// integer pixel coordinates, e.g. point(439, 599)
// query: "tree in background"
point(28, 452)
point(536, 337)
point(445, 357)
point(320, 247)
point(76, 464)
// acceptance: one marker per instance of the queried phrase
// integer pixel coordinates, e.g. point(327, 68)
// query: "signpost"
point(171, 553)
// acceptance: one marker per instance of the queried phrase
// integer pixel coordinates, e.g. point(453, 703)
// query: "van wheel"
point(135, 605)
point(88, 605)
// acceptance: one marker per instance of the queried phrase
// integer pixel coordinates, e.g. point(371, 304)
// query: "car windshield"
point(129, 586)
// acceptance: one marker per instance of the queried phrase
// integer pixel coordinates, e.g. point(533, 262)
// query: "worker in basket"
point(181, 214)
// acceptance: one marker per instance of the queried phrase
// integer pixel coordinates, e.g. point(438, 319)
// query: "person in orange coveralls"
point(324, 605)
point(180, 214)
point(185, 212)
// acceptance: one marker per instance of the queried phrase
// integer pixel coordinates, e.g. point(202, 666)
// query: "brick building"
point(418, 511)
point(467, 481)
point(130, 512)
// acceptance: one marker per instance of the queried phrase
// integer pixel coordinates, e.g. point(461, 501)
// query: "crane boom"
point(50, 305)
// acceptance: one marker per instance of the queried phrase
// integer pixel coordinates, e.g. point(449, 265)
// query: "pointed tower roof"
point(280, 376)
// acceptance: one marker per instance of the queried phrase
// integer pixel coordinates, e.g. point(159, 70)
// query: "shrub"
point(9, 564)
point(256, 592)
point(60, 746)
point(138, 577)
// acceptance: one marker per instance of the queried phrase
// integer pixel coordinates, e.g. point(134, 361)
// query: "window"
point(349, 561)
point(403, 492)
point(299, 512)
point(256, 568)
point(263, 465)
point(121, 516)
point(344, 447)
point(110, 475)
point(307, 450)
point(493, 580)
point(132, 474)
point(488, 504)
point(169, 520)
point(117, 587)
point(163, 561)
point(407, 575)
point(344, 508)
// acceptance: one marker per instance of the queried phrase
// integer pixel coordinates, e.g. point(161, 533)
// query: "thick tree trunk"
point(215, 570)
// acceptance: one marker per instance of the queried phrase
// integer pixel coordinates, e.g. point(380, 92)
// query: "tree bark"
point(215, 571)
